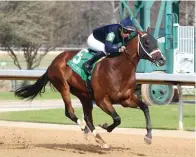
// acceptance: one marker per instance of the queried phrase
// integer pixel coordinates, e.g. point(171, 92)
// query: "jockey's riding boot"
point(88, 64)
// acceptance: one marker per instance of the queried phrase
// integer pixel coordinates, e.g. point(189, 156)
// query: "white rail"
point(142, 78)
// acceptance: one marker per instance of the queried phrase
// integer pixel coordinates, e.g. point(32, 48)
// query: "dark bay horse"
point(113, 81)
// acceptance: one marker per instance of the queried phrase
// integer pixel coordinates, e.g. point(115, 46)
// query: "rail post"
point(180, 123)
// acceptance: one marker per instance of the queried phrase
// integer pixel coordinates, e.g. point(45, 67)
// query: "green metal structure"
point(166, 33)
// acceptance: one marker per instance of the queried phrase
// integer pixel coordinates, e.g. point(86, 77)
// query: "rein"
point(127, 54)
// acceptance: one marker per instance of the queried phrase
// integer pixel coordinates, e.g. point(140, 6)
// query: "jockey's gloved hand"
point(122, 49)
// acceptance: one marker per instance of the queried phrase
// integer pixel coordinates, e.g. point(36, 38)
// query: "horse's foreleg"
point(134, 102)
point(145, 109)
point(107, 107)
point(87, 108)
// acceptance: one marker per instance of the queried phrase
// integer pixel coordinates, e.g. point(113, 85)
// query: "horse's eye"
point(147, 42)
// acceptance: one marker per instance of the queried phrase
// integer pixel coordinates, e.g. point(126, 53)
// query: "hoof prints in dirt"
point(85, 148)
point(74, 148)
point(79, 148)
point(14, 146)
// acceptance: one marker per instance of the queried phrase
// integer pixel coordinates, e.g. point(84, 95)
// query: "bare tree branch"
point(31, 25)
point(13, 56)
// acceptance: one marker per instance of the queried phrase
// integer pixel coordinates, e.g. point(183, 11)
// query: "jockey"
point(108, 40)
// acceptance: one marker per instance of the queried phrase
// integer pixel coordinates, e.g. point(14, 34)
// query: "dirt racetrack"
point(45, 142)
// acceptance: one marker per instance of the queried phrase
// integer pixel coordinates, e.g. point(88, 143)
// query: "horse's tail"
point(29, 92)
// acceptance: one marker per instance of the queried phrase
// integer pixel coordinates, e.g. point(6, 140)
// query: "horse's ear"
point(139, 32)
point(148, 30)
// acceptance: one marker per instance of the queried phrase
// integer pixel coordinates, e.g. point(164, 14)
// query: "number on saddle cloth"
point(77, 61)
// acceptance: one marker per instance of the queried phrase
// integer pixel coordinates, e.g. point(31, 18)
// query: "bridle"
point(148, 54)
point(140, 44)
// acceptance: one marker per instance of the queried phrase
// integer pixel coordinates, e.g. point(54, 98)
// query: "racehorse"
point(113, 81)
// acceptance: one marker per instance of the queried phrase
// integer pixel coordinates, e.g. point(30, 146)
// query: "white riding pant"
point(95, 44)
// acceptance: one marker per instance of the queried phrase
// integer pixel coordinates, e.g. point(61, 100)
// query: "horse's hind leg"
point(87, 108)
point(64, 89)
point(69, 111)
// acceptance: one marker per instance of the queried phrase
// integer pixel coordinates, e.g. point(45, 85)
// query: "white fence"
point(184, 57)
point(142, 78)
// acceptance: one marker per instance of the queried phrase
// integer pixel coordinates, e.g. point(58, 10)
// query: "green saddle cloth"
point(76, 63)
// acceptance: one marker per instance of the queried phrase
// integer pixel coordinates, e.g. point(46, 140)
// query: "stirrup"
point(87, 69)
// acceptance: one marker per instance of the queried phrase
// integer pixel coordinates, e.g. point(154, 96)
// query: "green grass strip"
point(163, 117)
point(48, 95)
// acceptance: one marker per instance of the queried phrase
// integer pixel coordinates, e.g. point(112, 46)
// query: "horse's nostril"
point(162, 61)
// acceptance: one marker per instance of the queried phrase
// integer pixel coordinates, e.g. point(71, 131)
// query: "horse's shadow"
point(74, 148)
point(80, 148)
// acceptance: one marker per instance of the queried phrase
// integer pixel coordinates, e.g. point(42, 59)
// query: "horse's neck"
point(130, 59)
point(122, 66)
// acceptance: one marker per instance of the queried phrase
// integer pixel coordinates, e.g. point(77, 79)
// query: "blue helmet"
point(127, 24)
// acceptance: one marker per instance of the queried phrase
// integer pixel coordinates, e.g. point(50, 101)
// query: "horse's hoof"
point(105, 146)
point(85, 136)
point(104, 126)
point(86, 131)
point(109, 129)
point(147, 140)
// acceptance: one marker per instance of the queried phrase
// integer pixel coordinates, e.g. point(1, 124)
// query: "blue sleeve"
point(111, 48)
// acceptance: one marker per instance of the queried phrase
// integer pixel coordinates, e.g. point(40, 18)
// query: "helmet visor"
point(128, 29)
